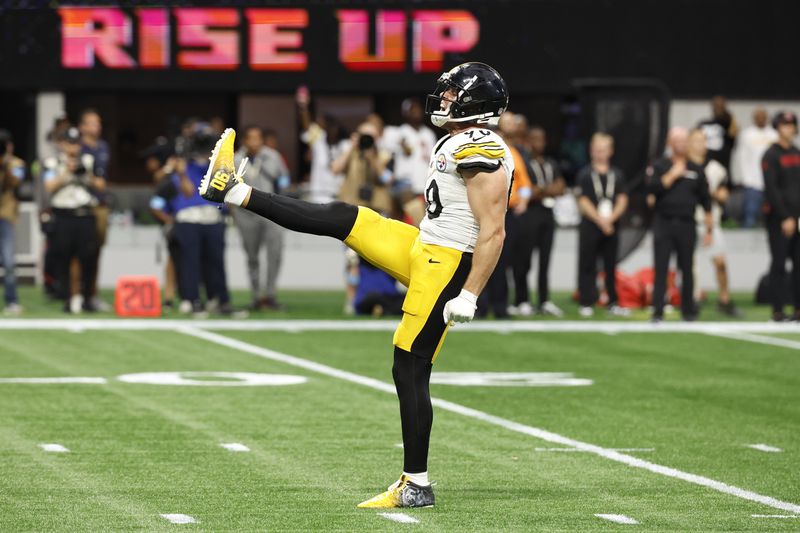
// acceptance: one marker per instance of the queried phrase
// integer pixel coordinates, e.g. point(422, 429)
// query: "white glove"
point(461, 308)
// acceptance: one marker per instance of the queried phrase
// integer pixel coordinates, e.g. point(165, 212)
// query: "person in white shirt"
point(326, 142)
point(410, 145)
point(752, 143)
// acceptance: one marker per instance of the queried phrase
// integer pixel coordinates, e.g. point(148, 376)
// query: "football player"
point(445, 263)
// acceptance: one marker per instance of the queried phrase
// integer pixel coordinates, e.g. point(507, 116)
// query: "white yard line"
point(495, 420)
point(178, 518)
point(775, 515)
point(541, 326)
point(579, 450)
point(760, 339)
point(618, 518)
point(764, 448)
point(59, 380)
point(55, 448)
point(399, 517)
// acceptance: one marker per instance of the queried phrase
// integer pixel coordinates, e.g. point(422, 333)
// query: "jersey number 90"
point(434, 204)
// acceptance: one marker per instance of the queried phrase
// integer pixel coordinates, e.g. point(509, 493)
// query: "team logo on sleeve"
point(441, 162)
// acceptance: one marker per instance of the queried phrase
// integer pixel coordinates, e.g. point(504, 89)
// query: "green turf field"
point(687, 401)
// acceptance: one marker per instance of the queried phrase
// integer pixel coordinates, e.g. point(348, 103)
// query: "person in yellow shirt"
point(12, 171)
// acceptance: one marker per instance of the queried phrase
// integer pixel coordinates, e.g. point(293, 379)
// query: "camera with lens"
point(366, 142)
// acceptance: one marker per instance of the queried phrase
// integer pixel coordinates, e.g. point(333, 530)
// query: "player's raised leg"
point(381, 241)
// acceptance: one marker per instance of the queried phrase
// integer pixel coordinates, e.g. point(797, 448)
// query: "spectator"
point(781, 164)
point(363, 164)
point(376, 292)
point(753, 142)
point(603, 201)
point(678, 186)
point(183, 141)
point(268, 173)
point(720, 131)
point(718, 188)
point(91, 127)
point(71, 184)
point(199, 231)
point(495, 295)
point(48, 158)
point(51, 147)
point(217, 124)
point(537, 226)
point(162, 207)
point(12, 172)
point(410, 145)
point(326, 142)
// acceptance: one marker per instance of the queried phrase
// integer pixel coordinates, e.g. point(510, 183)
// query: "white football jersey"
point(448, 219)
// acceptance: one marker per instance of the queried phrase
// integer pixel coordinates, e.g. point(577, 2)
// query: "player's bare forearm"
point(484, 258)
point(487, 193)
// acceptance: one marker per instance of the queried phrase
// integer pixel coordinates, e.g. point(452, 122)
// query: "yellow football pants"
point(433, 275)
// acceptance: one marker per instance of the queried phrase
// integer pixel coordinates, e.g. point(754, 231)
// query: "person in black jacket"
point(603, 200)
point(781, 165)
point(678, 186)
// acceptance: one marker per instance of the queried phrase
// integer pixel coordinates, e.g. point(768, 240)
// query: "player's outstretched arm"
point(487, 193)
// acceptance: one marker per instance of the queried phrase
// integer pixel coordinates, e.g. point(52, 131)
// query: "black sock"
point(335, 219)
point(412, 376)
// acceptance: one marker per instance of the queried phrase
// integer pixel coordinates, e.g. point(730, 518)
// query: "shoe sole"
point(204, 183)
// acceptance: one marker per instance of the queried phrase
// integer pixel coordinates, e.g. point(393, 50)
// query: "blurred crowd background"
point(108, 115)
point(384, 166)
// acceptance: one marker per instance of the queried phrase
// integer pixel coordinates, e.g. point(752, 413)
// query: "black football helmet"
point(481, 96)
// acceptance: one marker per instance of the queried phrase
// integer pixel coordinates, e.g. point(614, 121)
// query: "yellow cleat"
point(221, 175)
point(403, 493)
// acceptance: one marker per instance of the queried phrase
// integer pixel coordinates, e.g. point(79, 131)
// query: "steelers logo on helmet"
point(471, 92)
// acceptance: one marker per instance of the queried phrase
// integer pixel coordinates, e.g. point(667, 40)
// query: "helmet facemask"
point(437, 106)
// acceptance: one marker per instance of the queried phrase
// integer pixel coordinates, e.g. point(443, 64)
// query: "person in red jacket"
point(781, 165)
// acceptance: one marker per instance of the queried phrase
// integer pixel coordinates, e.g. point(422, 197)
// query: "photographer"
point(72, 185)
point(12, 171)
point(366, 179)
point(199, 230)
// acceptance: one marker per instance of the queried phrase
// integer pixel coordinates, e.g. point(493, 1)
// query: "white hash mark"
point(399, 517)
point(178, 518)
point(57, 448)
point(618, 518)
point(235, 447)
point(764, 448)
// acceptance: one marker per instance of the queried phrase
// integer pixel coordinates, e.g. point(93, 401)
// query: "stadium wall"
point(311, 262)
